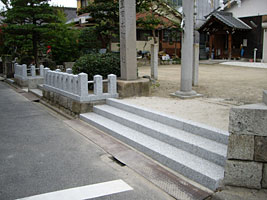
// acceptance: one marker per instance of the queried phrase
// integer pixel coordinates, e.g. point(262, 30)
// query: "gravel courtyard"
point(222, 86)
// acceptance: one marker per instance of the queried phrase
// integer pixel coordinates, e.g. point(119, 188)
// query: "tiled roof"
point(227, 19)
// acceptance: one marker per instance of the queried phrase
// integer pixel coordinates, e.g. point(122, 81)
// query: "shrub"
point(98, 64)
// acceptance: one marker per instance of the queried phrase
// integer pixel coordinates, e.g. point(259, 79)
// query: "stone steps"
point(165, 139)
point(202, 147)
point(186, 125)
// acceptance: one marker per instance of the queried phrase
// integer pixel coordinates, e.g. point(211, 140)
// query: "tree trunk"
point(154, 36)
point(35, 48)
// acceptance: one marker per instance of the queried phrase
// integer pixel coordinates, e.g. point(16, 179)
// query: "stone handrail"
point(21, 71)
point(76, 86)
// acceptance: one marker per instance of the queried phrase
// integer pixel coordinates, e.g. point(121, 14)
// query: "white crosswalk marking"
point(85, 192)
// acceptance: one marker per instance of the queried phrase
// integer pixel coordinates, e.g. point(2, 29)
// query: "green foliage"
point(64, 44)
point(31, 20)
point(88, 41)
point(98, 64)
point(106, 19)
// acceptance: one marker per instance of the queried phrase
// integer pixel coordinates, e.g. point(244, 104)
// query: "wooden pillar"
point(229, 46)
point(211, 42)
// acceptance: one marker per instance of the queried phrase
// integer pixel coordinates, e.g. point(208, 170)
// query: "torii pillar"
point(128, 40)
point(129, 84)
point(187, 53)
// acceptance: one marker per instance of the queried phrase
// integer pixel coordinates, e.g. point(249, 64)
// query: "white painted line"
point(85, 192)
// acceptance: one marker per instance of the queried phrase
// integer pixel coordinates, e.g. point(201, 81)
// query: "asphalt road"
point(40, 154)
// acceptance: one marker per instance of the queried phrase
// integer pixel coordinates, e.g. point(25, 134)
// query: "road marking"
point(85, 192)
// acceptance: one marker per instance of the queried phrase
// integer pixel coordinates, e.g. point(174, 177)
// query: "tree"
point(29, 19)
point(105, 14)
point(154, 12)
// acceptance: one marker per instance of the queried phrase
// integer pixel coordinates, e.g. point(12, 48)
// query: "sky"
point(65, 3)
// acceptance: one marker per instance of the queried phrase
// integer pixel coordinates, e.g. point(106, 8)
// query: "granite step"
point(189, 165)
point(208, 149)
point(202, 130)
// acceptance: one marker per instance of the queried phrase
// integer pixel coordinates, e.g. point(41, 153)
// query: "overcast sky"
point(66, 3)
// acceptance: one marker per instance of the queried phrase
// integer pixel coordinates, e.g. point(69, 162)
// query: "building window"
point(171, 35)
point(177, 3)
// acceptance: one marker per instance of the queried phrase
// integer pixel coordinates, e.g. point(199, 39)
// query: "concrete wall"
point(249, 8)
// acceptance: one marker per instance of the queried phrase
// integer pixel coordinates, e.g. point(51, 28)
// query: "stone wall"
point(247, 150)
point(68, 105)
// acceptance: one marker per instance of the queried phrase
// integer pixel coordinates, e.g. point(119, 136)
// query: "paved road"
point(40, 154)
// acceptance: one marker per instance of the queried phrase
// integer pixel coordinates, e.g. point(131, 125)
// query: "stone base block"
point(243, 174)
point(265, 97)
point(69, 105)
point(261, 149)
point(249, 120)
point(139, 87)
point(264, 180)
point(21, 83)
point(33, 82)
point(186, 95)
point(241, 147)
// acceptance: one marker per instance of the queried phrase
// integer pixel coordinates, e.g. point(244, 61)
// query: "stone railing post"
point(98, 85)
point(112, 84)
point(69, 70)
point(41, 69)
point(16, 68)
point(83, 85)
point(45, 70)
point(65, 82)
point(58, 70)
point(33, 71)
point(70, 83)
point(24, 71)
point(75, 84)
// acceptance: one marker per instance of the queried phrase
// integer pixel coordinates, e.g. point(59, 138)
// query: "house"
point(168, 42)
point(235, 27)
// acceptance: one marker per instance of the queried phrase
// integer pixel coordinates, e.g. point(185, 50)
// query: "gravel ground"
point(222, 86)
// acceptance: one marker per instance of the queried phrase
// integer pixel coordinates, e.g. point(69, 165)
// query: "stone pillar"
point(75, 84)
point(112, 84)
point(58, 70)
point(33, 71)
point(187, 52)
point(246, 164)
point(24, 71)
point(264, 53)
point(98, 85)
point(83, 86)
point(65, 82)
point(265, 97)
point(154, 61)
point(195, 64)
point(46, 81)
point(41, 68)
point(128, 40)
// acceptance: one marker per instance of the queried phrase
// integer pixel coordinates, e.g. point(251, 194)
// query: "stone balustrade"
point(76, 86)
point(21, 71)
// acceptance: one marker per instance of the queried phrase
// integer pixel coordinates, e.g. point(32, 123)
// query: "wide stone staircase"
point(194, 150)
